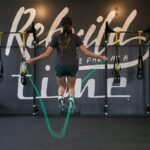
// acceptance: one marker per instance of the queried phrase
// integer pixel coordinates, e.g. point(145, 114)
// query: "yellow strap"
point(117, 38)
point(140, 35)
point(1, 38)
point(23, 38)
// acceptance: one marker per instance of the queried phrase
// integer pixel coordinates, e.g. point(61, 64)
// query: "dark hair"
point(66, 23)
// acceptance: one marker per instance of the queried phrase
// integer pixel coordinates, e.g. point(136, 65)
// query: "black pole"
point(1, 63)
point(106, 97)
point(148, 101)
point(148, 105)
point(35, 106)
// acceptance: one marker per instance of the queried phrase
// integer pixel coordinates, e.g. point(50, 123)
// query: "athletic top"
point(66, 55)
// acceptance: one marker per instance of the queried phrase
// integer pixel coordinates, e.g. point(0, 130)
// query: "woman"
point(66, 65)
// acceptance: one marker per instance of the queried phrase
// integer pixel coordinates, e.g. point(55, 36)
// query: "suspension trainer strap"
point(117, 67)
point(140, 70)
point(1, 62)
point(23, 70)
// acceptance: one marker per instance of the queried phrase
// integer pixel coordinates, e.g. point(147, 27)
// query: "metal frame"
point(32, 31)
point(107, 31)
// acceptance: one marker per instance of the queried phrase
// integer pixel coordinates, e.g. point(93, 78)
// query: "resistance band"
point(140, 70)
point(117, 66)
point(1, 62)
point(57, 135)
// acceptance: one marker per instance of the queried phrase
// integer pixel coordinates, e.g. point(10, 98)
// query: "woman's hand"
point(29, 61)
point(103, 57)
point(42, 56)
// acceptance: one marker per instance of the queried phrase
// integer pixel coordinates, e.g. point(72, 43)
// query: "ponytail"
point(66, 35)
point(67, 31)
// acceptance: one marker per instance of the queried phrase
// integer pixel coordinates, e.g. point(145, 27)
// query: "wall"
point(89, 18)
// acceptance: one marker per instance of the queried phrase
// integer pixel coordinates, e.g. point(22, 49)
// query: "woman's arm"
point(46, 54)
point(91, 54)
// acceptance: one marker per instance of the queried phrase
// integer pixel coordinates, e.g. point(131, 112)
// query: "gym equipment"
point(23, 73)
point(117, 66)
point(1, 62)
point(35, 42)
point(33, 31)
point(140, 70)
point(23, 69)
point(70, 108)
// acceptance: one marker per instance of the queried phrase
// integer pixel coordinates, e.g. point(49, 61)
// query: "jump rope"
point(57, 135)
point(117, 68)
point(24, 71)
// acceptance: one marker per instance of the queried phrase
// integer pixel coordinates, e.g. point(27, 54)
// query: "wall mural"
point(130, 96)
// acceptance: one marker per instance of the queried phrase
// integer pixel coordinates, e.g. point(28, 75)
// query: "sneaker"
point(62, 104)
point(71, 104)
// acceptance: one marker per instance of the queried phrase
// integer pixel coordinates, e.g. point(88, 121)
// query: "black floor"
point(112, 133)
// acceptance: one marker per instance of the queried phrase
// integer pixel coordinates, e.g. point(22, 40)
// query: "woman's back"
point(66, 55)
